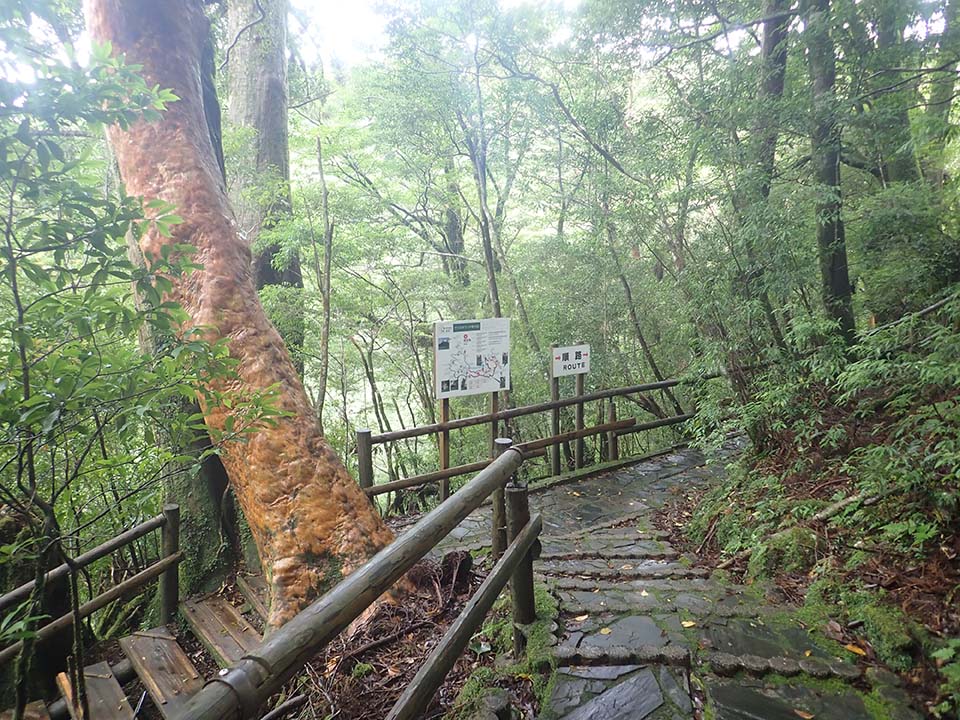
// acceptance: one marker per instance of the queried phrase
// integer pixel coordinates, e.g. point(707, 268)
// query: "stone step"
point(617, 569)
point(727, 665)
point(621, 556)
point(626, 692)
point(601, 546)
point(660, 586)
point(613, 601)
point(674, 655)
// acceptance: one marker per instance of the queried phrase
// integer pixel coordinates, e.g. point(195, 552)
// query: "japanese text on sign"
point(571, 360)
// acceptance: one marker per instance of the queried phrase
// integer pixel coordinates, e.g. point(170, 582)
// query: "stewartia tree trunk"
point(310, 521)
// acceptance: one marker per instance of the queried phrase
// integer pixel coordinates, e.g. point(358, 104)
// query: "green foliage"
point(100, 364)
point(948, 658)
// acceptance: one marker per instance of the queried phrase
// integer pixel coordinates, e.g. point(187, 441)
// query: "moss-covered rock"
point(792, 551)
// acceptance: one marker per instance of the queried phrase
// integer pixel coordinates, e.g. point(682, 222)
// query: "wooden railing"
point(240, 691)
point(613, 428)
point(165, 569)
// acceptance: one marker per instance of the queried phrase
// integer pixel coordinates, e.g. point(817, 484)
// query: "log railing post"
point(521, 583)
point(613, 448)
point(495, 424)
point(170, 580)
point(364, 458)
point(498, 539)
point(445, 447)
point(554, 417)
point(579, 445)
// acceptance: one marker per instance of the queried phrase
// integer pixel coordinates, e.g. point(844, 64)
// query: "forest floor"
point(647, 628)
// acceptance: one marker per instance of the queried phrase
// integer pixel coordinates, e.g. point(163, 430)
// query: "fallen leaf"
point(856, 649)
point(605, 631)
point(626, 567)
point(807, 653)
point(804, 715)
point(581, 618)
point(644, 593)
point(688, 623)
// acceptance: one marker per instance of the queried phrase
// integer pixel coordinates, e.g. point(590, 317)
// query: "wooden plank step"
point(254, 589)
point(37, 710)
point(163, 666)
point(221, 628)
point(105, 697)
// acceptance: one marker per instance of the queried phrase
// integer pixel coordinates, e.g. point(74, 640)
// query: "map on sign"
point(471, 357)
point(570, 360)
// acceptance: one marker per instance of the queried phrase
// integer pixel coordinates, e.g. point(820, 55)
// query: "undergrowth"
point(496, 637)
point(879, 423)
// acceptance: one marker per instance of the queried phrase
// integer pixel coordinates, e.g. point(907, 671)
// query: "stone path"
point(644, 634)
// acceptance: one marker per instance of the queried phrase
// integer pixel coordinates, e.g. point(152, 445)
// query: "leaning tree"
point(311, 523)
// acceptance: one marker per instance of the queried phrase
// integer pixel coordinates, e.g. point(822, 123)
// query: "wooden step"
point(164, 668)
point(105, 697)
point(221, 628)
point(36, 710)
point(254, 589)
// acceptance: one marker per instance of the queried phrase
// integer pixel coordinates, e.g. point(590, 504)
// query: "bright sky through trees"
point(348, 33)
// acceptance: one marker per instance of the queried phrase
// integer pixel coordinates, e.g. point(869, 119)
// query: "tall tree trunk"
point(825, 143)
point(942, 87)
point(311, 522)
point(890, 112)
point(257, 74)
point(773, 68)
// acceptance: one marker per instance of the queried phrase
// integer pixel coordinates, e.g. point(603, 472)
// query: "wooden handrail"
point(239, 691)
point(519, 411)
point(417, 480)
point(417, 696)
point(100, 601)
point(576, 434)
point(124, 538)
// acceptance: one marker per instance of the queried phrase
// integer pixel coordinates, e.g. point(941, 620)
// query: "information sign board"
point(471, 357)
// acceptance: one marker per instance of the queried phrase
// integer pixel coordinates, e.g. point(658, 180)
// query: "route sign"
point(471, 357)
point(570, 360)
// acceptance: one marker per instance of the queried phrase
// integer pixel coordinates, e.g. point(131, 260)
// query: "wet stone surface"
point(755, 700)
point(628, 598)
point(630, 631)
point(632, 699)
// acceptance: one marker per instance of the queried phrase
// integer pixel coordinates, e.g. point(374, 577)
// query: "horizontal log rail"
point(613, 429)
point(100, 601)
point(239, 691)
point(125, 538)
point(417, 480)
point(652, 424)
point(546, 442)
point(519, 411)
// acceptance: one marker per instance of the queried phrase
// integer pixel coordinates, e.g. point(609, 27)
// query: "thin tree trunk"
point(323, 273)
point(632, 312)
point(825, 143)
point(311, 522)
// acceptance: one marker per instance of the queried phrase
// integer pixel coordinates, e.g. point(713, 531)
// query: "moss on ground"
point(538, 666)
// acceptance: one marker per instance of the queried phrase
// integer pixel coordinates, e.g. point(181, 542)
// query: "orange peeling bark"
point(310, 521)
